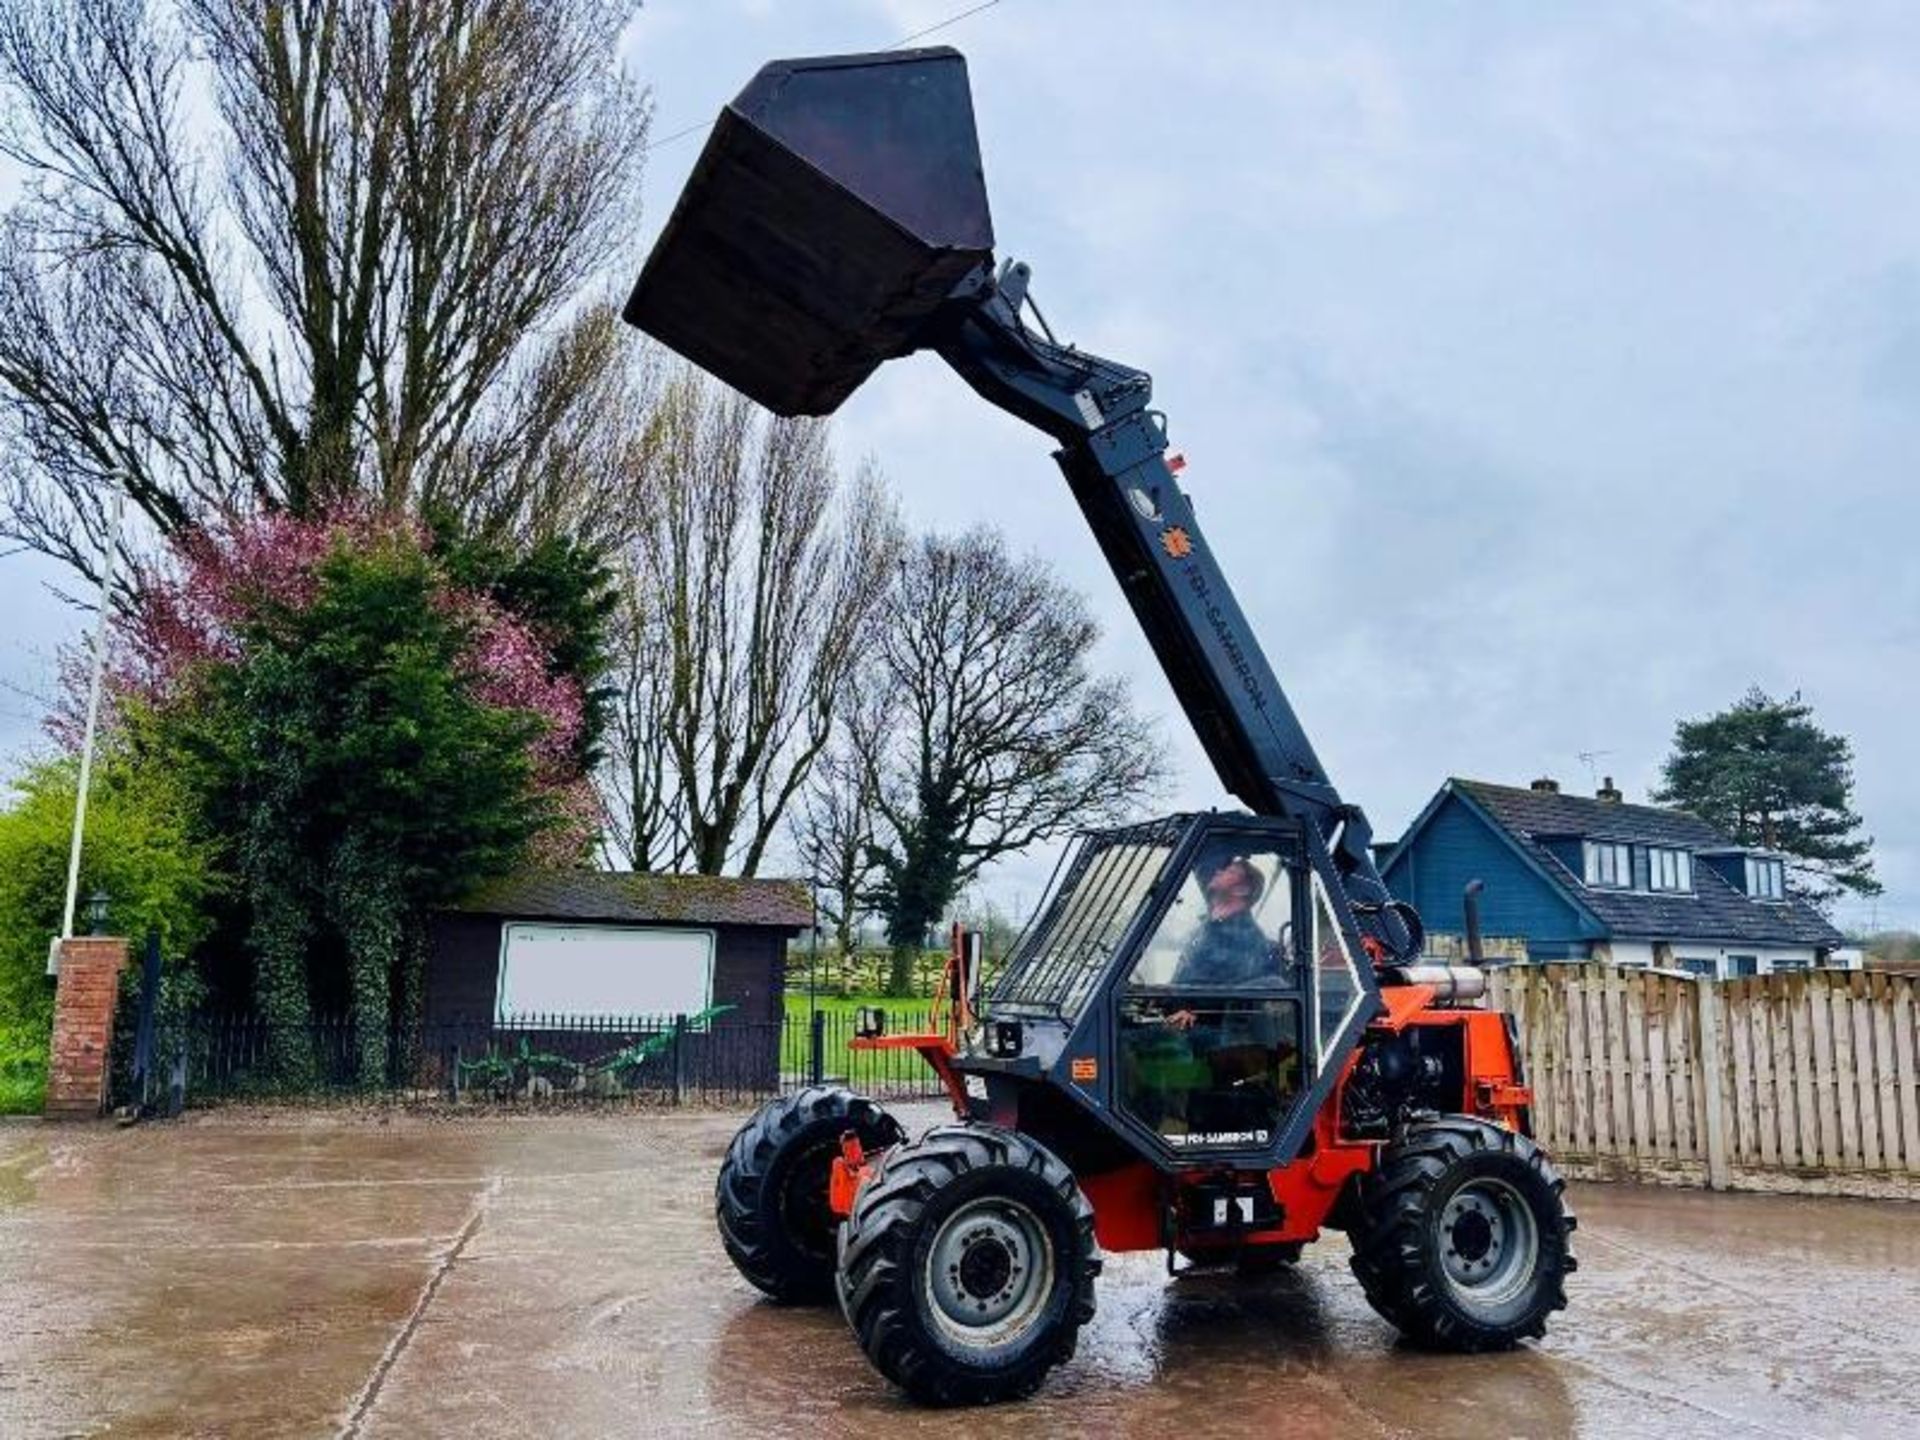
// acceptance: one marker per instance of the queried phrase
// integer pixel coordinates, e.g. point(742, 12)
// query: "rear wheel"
point(771, 1200)
point(1461, 1240)
point(967, 1266)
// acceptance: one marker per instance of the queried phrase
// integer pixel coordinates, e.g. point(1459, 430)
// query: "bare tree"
point(753, 591)
point(997, 736)
point(567, 452)
point(834, 826)
point(642, 822)
point(287, 254)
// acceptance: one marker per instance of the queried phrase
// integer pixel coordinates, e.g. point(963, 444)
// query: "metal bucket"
point(837, 202)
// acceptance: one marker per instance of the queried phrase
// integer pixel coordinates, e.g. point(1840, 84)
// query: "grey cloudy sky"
point(1546, 373)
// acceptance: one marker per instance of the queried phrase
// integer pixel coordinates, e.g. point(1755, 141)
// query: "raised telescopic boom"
point(838, 218)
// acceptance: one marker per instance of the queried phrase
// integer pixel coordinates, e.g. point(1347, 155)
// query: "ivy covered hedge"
point(316, 729)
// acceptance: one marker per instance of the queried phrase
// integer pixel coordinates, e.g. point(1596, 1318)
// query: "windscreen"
point(1229, 923)
point(1106, 880)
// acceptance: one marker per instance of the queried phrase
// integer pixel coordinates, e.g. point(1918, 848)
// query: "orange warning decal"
point(1085, 1068)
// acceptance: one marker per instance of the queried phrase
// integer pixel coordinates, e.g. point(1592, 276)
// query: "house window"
point(1609, 864)
point(1669, 870)
point(1742, 967)
point(1693, 966)
point(1766, 879)
point(1785, 967)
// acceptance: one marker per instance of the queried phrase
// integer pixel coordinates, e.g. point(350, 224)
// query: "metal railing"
point(713, 1058)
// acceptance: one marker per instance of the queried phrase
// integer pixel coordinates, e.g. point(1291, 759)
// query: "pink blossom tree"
point(366, 737)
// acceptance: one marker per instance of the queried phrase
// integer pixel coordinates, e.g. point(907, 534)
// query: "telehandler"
point(1217, 1036)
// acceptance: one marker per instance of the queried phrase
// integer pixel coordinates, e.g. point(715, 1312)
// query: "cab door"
point(1214, 1025)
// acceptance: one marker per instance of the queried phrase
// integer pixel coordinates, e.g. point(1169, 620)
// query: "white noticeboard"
point(603, 971)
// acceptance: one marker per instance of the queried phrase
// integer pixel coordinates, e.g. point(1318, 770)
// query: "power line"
point(941, 25)
point(904, 40)
point(666, 140)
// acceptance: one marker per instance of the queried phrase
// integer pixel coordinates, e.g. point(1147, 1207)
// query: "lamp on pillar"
point(97, 904)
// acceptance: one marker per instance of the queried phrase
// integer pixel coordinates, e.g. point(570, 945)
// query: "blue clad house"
point(1568, 877)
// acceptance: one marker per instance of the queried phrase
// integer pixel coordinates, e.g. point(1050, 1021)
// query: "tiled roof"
point(1543, 813)
point(621, 895)
point(1714, 911)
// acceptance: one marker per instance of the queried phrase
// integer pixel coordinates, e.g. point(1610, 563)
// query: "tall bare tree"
point(834, 824)
point(754, 588)
point(997, 735)
point(284, 254)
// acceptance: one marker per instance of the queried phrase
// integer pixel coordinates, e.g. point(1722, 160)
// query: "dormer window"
point(1670, 871)
point(1766, 879)
point(1609, 865)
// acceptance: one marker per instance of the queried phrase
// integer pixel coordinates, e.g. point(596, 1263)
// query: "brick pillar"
point(83, 1009)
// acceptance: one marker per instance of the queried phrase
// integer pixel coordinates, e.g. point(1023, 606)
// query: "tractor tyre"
point(967, 1266)
point(771, 1200)
point(1461, 1235)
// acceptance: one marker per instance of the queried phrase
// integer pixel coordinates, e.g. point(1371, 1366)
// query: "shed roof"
point(631, 897)
point(1713, 912)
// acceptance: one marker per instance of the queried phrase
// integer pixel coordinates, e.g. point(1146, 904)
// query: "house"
point(1573, 877)
point(540, 952)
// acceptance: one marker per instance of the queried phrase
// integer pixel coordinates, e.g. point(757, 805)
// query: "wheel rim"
point(1489, 1243)
point(989, 1272)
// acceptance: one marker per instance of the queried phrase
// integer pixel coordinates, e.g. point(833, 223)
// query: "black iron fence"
point(543, 1060)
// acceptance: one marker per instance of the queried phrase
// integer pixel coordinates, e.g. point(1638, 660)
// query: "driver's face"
point(1229, 892)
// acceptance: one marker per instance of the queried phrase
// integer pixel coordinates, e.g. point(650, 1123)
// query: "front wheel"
point(1462, 1235)
point(967, 1266)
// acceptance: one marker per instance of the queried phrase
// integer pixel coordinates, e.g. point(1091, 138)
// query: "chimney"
point(1608, 793)
point(1546, 785)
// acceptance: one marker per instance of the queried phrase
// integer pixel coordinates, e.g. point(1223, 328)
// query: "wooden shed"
point(595, 946)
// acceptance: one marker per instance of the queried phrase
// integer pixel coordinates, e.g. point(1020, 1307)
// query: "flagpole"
point(93, 715)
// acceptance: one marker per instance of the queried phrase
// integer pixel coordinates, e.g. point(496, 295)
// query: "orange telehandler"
point(1216, 1037)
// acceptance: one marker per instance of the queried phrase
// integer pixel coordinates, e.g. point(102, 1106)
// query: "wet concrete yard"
point(560, 1276)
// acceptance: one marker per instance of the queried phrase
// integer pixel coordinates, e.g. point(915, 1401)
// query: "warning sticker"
point(1085, 1068)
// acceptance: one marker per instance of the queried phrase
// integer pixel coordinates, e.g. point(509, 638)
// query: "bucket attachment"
point(837, 202)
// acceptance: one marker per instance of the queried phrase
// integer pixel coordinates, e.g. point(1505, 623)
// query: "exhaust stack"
point(1470, 901)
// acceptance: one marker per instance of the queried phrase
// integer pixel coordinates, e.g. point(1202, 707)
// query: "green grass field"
point(879, 1071)
point(846, 1004)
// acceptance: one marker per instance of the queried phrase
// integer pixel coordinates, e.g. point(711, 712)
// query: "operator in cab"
point(1210, 1053)
point(1227, 950)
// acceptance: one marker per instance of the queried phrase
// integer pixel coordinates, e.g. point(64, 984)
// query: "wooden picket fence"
point(1804, 1082)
